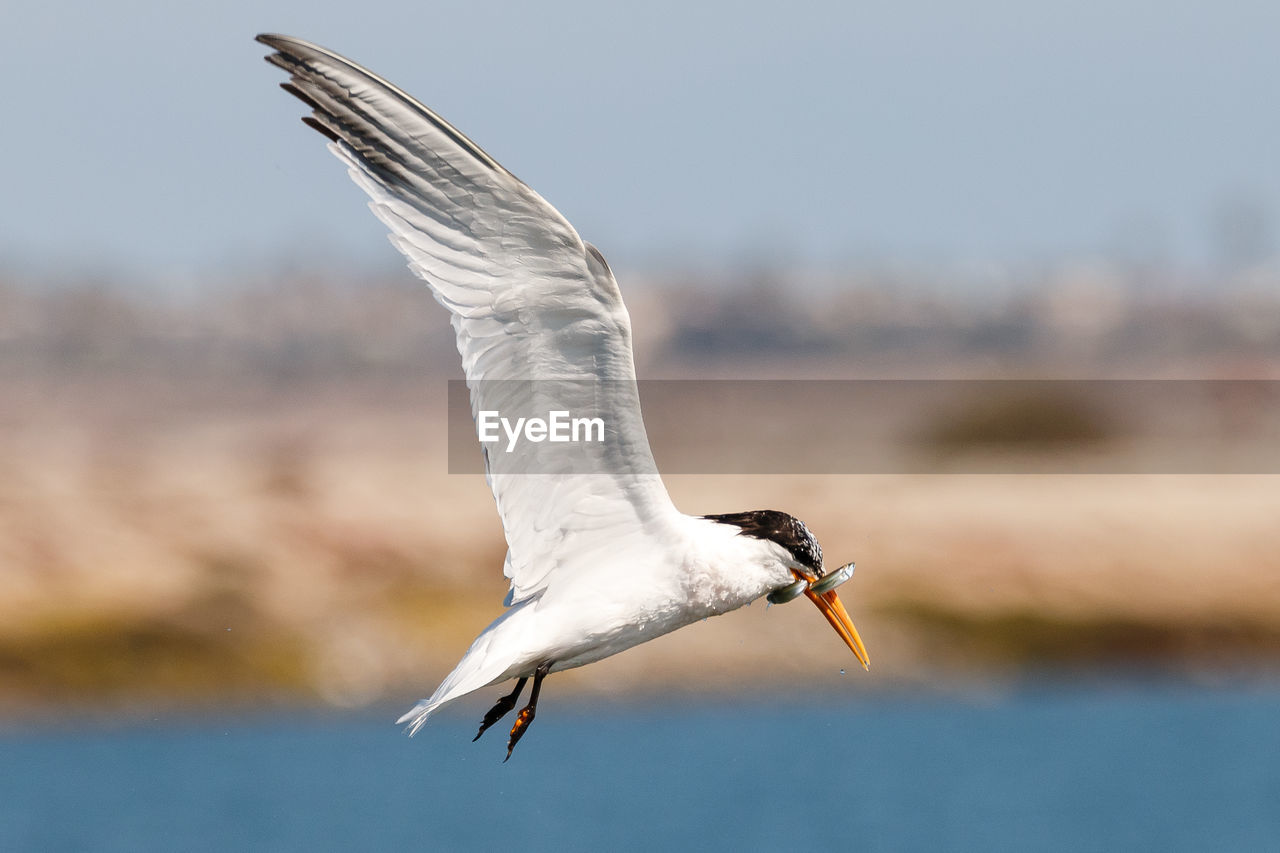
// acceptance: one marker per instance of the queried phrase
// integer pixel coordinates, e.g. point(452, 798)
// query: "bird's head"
point(803, 556)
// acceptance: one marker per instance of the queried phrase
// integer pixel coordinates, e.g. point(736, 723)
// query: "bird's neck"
point(724, 571)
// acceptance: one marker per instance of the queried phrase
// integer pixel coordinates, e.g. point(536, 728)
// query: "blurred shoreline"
point(243, 493)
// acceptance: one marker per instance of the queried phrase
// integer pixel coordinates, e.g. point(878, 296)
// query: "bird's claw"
point(499, 710)
point(523, 719)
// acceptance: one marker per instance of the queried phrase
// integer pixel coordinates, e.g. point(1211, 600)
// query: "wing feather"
point(537, 313)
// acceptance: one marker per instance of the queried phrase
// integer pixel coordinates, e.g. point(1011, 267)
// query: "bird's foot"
point(500, 709)
point(523, 719)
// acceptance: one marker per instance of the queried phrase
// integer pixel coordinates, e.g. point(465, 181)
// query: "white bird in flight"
point(599, 558)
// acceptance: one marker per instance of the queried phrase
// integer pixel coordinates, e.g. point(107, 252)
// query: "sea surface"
point(1111, 767)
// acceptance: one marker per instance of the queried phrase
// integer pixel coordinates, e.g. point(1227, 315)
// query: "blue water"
point(1098, 768)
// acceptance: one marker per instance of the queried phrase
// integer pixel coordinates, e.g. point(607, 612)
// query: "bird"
point(598, 557)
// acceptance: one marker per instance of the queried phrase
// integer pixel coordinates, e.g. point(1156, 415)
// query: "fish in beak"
point(822, 592)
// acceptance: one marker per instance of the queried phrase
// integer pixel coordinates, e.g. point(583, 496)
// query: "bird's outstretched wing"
point(539, 319)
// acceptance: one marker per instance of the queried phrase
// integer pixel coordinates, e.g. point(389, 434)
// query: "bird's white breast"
point(708, 570)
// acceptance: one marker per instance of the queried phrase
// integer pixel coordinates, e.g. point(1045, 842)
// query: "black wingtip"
point(281, 61)
point(286, 48)
point(300, 95)
point(316, 124)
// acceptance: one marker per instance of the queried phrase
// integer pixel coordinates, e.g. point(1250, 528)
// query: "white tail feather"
point(489, 660)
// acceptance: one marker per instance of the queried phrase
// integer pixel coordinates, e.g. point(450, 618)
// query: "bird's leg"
point(500, 709)
point(525, 717)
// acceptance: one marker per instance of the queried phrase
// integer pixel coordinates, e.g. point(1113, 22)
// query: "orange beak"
point(831, 607)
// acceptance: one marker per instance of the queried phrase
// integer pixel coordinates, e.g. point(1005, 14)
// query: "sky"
point(149, 139)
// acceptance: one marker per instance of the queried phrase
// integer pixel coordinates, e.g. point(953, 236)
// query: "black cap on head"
point(787, 530)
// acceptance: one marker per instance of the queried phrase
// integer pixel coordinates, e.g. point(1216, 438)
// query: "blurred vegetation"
point(99, 657)
point(1027, 417)
point(1035, 641)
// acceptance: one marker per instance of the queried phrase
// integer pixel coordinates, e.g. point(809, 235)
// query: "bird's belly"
point(600, 647)
point(611, 632)
point(573, 625)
